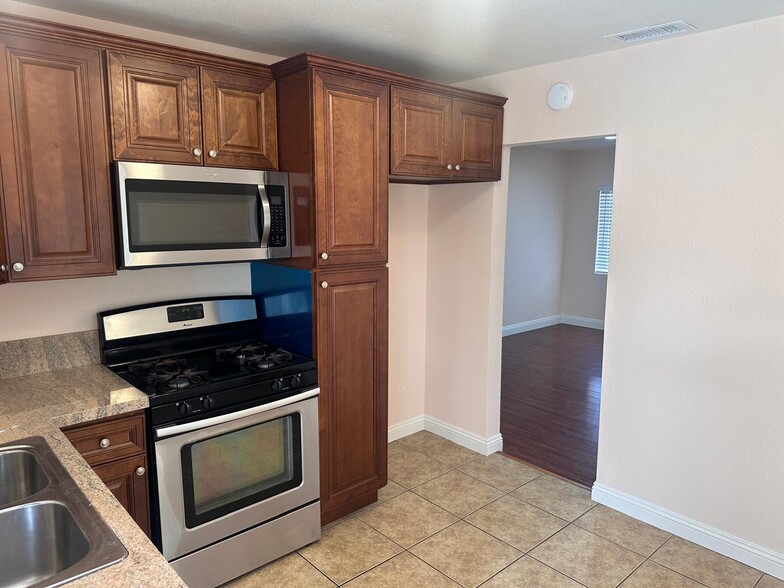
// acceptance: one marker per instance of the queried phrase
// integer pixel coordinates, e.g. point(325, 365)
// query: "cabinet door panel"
point(352, 355)
point(351, 118)
point(155, 109)
point(421, 131)
point(129, 488)
point(240, 123)
point(53, 148)
point(478, 140)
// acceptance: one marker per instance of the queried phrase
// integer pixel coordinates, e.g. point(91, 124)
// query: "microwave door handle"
point(266, 217)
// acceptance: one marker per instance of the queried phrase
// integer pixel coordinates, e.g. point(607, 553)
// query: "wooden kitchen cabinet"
point(351, 141)
point(129, 487)
point(438, 137)
point(239, 121)
point(115, 447)
point(56, 196)
point(178, 112)
point(334, 142)
point(351, 340)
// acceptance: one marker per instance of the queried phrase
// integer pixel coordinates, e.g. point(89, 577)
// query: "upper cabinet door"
point(53, 152)
point(478, 139)
point(240, 128)
point(155, 109)
point(351, 143)
point(421, 133)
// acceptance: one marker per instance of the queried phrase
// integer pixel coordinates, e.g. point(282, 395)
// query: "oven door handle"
point(164, 432)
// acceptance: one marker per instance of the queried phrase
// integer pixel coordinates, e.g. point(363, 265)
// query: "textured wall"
point(583, 292)
point(536, 209)
point(692, 380)
point(407, 300)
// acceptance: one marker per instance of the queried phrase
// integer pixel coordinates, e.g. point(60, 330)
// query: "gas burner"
point(268, 361)
point(169, 374)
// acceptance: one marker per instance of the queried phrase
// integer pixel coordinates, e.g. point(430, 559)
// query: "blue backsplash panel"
point(285, 306)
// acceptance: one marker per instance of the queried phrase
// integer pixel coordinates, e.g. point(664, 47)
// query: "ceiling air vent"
point(653, 32)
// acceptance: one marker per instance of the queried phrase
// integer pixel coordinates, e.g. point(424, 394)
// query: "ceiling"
point(443, 40)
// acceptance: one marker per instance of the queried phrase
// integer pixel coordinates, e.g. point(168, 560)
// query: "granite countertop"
point(42, 403)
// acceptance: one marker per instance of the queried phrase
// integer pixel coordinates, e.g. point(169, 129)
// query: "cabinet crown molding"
point(312, 60)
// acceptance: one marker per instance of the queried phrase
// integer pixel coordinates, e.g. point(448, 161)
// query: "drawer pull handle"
point(325, 255)
point(140, 471)
point(105, 443)
point(324, 285)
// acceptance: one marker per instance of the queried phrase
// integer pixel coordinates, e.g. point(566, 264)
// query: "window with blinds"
point(603, 231)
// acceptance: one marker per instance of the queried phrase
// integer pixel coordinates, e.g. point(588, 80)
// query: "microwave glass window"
point(230, 471)
point(171, 216)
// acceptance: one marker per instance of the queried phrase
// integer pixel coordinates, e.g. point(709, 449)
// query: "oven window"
point(166, 215)
point(234, 470)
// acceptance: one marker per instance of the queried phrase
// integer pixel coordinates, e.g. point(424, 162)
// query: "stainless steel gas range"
point(234, 431)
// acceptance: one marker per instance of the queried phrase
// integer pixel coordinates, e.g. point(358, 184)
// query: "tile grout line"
point(315, 568)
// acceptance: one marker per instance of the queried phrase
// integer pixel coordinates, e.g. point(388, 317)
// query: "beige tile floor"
point(450, 517)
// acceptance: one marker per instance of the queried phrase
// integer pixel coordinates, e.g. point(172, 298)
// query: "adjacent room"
point(559, 214)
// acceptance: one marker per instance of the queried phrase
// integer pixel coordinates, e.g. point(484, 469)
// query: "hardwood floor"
point(551, 381)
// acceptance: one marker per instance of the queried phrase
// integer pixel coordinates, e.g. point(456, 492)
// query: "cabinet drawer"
point(105, 440)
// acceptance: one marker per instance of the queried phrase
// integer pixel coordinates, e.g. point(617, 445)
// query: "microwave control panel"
point(278, 222)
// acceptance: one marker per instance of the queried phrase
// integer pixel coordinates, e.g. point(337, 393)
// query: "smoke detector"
point(653, 32)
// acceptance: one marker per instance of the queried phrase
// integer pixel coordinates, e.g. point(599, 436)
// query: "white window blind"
point(603, 231)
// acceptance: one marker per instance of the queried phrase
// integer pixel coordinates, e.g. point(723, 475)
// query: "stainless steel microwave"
point(182, 215)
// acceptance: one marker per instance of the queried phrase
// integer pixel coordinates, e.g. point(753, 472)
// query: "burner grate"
point(256, 358)
point(169, 374)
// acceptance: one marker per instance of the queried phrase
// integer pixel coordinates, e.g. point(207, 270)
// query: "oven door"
point(222, 475)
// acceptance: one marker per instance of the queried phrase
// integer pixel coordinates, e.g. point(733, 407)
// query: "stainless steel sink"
point(50, 533)
point(20, 475)
point(43, 539)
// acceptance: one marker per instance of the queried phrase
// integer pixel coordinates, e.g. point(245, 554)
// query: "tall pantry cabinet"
point(334, 142)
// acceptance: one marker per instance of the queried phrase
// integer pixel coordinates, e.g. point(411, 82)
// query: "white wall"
point(536, 208)
point(552, 213)
point(34, 309)
point(583, 292)
point(407, 300)
point(692, 379)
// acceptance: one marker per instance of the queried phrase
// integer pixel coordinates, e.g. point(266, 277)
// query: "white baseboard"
point(406, 428)
point(472, 441)
point(547, 321)
point(443, 429)
point(581, 321)
point(744, 551)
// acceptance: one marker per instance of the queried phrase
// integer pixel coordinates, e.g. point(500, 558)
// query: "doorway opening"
point(559, 214)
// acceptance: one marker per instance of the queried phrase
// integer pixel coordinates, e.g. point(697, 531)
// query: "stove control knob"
point(207, 402)
point(184, 408)
point(277, 385)
point(295, 380)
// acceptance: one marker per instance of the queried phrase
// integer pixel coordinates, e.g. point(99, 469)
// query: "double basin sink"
point(49, 532)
